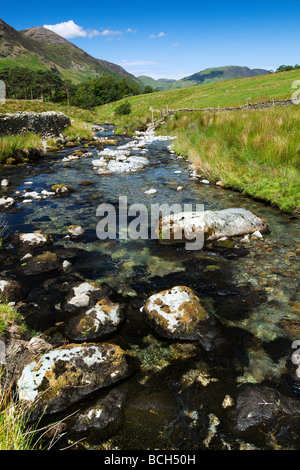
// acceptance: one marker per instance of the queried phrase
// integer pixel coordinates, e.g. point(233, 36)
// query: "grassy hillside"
point(228, 93)
point(156, 84)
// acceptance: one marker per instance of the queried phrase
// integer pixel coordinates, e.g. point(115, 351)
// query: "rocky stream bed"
point(142, 344)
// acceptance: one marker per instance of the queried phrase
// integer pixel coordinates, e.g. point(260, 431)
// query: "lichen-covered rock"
point(11, 290)
point(178, 227)
point(178, 314)
point(84, 295)
point(65, 375)
point(101, 420)
point(95, 323)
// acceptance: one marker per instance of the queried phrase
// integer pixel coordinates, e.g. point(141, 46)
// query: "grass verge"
point(10, 143)
point(256, 152)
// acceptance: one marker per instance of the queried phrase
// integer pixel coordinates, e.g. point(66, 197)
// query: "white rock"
point(256, 234)
point(180, 188)
point(151, 191)
point(75, 230)
point(33, 195)
point(46, 193)
point(5, 182)
point(27, 256)
point(205, 181)
point(6, 202)
point(66, 265)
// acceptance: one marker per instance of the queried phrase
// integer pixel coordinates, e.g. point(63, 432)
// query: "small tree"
point(123, 109)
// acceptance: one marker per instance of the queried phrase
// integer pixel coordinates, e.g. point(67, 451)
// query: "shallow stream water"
point(175, 393)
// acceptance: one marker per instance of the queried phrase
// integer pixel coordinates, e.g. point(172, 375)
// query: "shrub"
point(123, 109)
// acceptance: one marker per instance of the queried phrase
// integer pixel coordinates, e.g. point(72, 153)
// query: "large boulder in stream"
point(178, 314)
point(65, 375)
point(179, 227)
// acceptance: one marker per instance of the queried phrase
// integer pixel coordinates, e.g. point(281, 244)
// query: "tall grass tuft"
point(79, 129)
point(15, 432)
point(10, 143)
point(256, 152)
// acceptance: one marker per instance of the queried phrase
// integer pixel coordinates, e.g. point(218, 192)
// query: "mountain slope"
point(161, 84)
point(40, 48)
point(217, 74)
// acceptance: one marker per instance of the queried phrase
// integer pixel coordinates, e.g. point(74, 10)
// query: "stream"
point(175, 394)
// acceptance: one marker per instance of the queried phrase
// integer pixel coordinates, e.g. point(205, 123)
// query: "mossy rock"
point(53, 149)
point(10, 161)
point(66, 375)
point(62, 188)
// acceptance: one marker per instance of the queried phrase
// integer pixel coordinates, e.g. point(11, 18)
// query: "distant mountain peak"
point(43, 34)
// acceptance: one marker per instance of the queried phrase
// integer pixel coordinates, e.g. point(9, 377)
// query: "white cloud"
point(67, 29)
point(129, 30)
point(176, 44)
point(159, 35)
point(108, 32)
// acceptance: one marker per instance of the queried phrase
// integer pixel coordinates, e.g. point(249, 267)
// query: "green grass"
point(79, 129)
point(229, 93)
point(13, 106)
point(15, 433)
point(9, 316)
point(254, 151)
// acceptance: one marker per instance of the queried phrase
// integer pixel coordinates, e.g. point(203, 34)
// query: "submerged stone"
point(102, 419)
point(262, 411)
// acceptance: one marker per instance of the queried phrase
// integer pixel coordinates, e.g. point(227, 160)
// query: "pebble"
point(5, 182)
point(179, 188)
point(205, 181)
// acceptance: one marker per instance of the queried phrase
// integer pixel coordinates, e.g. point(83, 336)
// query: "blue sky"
point(167, 38)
